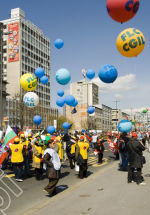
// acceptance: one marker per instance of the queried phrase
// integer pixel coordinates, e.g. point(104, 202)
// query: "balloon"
point(28, 82)
point(60, 93)
point(130, 42)
point(39, 72)
point(63, 76)
point(91, 109)
point(31, 99)
point(122, 10)
point(60, 102)
point(83, 130)
point(51, 129)
point(144, 111)
point(108, 73)
point(66, 125)
point(75, 103)
point(125, 126)
point(59, 43)
point(90, 74)
point(37, 119)
point(70, 100)
point(44, 80)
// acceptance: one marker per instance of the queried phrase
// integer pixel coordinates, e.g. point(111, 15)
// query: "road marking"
point(10, 175)
point(105, 161)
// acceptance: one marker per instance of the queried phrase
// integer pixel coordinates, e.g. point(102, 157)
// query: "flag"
point(9, 138)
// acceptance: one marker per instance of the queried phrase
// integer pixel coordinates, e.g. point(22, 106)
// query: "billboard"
point(13, 42)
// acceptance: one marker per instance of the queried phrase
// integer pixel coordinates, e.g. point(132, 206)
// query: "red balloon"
point(122, 10)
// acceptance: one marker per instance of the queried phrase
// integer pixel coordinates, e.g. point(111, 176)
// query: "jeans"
point(18, 170)
point(27, 167)
point(131, 174)
point(123, 156)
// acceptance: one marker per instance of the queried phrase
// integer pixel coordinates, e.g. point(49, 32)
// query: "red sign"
point(13, 42)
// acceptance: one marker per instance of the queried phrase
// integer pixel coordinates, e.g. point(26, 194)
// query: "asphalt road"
point(30, 192)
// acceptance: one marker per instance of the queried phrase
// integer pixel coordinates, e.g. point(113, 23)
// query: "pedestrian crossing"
point(93, 161)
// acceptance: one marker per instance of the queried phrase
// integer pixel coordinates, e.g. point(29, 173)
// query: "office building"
point(25, 49)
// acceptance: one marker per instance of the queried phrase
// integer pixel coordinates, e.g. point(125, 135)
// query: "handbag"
point(76, 167)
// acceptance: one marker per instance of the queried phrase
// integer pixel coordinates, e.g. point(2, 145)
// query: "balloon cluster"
point(131, 41)
point(40, 73)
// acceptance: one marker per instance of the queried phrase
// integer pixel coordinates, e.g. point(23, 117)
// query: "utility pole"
point(116, 102)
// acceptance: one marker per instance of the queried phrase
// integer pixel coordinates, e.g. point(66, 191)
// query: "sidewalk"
point(105, 193)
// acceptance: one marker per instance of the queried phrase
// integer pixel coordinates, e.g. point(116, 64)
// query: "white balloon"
point(31, 99)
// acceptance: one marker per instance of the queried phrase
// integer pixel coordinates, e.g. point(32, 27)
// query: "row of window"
point(34, 34)
point(35, 49)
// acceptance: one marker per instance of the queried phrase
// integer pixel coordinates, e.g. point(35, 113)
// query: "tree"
point(61, 120)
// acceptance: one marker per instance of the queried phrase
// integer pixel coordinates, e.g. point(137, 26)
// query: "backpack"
point(121, 145)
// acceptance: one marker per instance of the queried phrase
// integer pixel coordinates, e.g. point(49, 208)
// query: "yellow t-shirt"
point(84, 146)
point(73, 148)
point(39, 150)
point(60, 150)
point(16, 153)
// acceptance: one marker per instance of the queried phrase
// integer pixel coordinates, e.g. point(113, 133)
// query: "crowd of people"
point(46, 154)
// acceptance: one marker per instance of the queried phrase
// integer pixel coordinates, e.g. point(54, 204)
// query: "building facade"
point(25, 49)
point(118, 115)
point(85, 92)
point(3, 83)
point(106, 118)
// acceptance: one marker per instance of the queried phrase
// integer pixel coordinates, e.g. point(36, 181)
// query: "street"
point(33, 190)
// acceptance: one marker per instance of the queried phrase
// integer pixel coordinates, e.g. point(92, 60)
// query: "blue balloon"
point(90, 73)
point(51, 129)
point(108, 73)
point(60, 93)
point(44, 80)
point(75, 103)
point(66, 125)
point(125, 126)
point(39, 72)
point(83, 130)
point(70, 100)
point(37, 119)
point(59, 43)
point(91, 109)
point(63, 76)
point(60, 102)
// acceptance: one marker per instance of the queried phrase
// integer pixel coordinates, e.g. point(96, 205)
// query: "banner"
point(13, 42)
point(113, 146)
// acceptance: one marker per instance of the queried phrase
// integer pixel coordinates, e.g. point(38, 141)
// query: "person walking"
point(81, 156)
point(52, 166)
point(16, 151)
point(123, 155)
point(135, 149)
point(94, 140)
point(37, 158)
point(99, 149)
point(70, 149)
point(27, 146)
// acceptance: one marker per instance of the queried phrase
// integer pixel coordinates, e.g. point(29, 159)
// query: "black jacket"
point(135, 148)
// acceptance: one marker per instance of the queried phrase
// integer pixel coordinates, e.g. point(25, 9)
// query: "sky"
point(89, 36)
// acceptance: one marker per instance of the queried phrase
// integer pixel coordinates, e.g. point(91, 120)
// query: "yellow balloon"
point(28, 82)
point(130, 42)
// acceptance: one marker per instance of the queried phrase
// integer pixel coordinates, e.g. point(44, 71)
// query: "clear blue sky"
point(89, 36)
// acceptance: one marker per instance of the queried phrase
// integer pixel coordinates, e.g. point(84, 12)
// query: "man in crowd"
point(135, 149)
